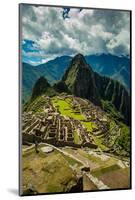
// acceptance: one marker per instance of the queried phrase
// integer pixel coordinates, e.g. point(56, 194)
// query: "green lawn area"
point(90, 157)
point(104, 170)
point(71, 161)
point(77, 139)
point(89, 125)
point(65, 108)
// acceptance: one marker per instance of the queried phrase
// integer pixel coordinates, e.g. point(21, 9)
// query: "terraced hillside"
point(85, 143)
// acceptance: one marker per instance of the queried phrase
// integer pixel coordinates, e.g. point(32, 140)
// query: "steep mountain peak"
point(79, 60)
point(77, 64)
point(79, 79)
point(79, 56)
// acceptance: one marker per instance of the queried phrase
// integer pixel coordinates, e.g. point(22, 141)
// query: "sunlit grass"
point(77, 139)
point(89, 125)
point(65, 108)
point(106, 169)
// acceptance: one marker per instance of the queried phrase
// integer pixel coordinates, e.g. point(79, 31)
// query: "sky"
point(50, 32)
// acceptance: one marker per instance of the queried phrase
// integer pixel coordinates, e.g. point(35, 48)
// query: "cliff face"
point(82, 81)
point(114, 92)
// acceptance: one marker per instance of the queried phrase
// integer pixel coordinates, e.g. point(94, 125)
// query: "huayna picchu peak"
point(79, 60)
point(83, 82)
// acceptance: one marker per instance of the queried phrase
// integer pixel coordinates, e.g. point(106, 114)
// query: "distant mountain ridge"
point(105, 64)
point(52, 71)
point(112, 66)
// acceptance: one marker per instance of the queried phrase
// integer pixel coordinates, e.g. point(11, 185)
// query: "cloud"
point(63, 31)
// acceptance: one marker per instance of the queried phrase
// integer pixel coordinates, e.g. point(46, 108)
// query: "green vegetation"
point(90, 157)
point(124, 139)
point(35, 105)
point(89, 125)
point(104, 170)
point(111, 110)
point(40, 169)
point(71, 161)
point(65, 108)
point(112, 124)
point(50, 92)
point(77, 139)
point(61, 87)
point(97, 160)
point(99, 142)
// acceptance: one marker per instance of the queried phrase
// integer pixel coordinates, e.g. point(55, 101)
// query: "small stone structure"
point(47, 149)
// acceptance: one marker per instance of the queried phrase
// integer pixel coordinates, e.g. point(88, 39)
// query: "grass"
point(71, 161)
point(39, 171)
point(104, 170)
point(116, 178)
point(110, 108)
point(124, 139)
point(90, 157)
point(36, 105)
point(65, 108)
point(112, 124)
point(104, 167)
point(89, 125)
point(77, 139)
point(97, 160)
point(98, 141)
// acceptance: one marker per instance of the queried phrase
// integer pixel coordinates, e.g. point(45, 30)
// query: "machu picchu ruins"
point(54, 128)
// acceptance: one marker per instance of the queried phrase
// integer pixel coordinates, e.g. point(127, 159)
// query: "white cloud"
point(87, 31)
point(118, 41)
